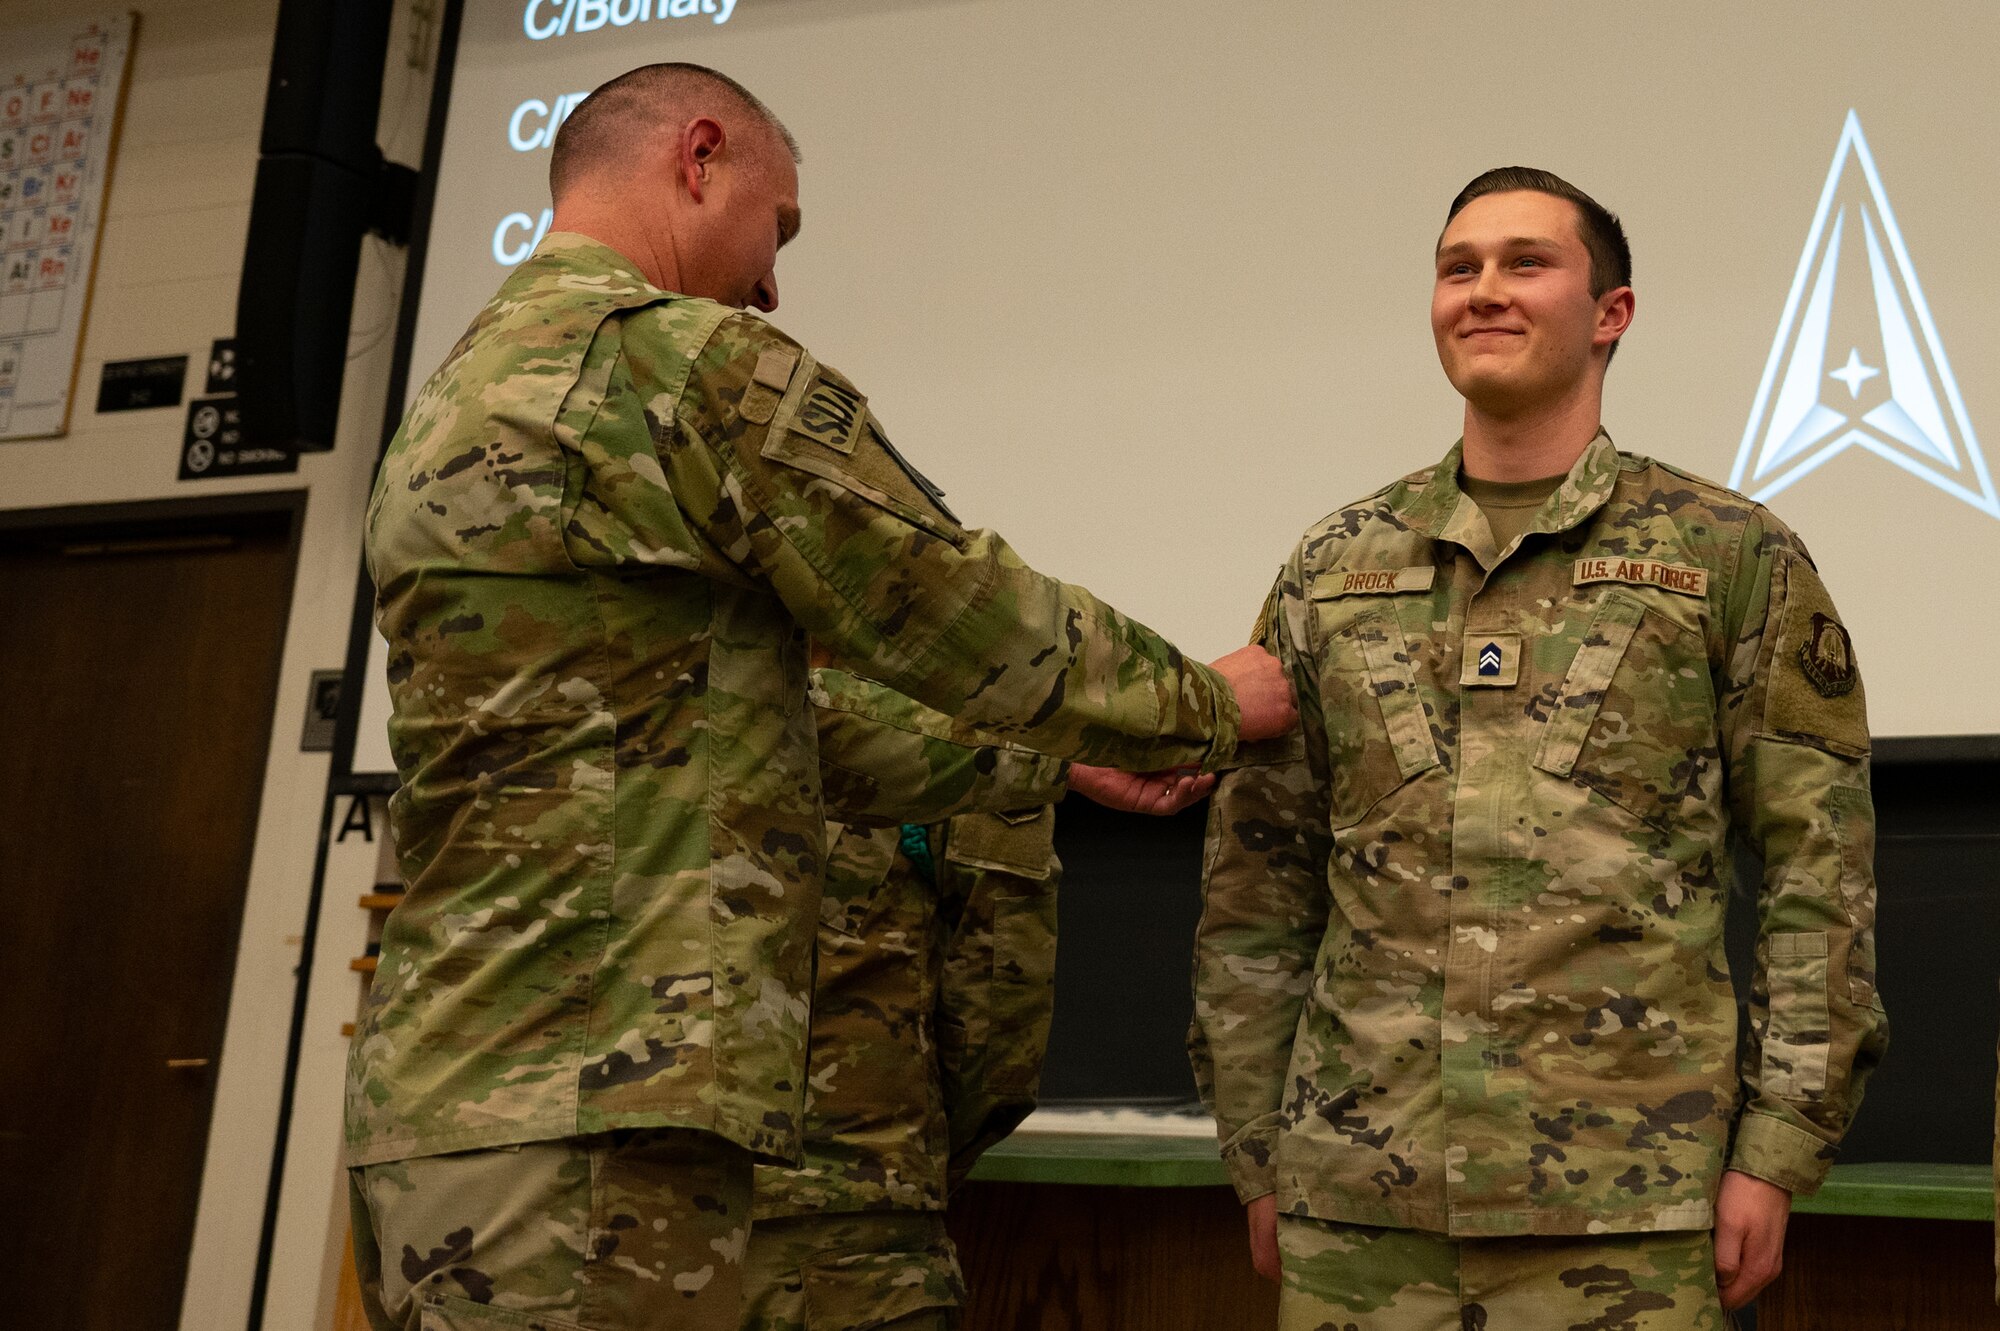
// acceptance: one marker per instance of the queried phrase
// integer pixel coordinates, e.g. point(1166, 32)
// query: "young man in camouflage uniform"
point(599, 540)
point(1462, 1009)
point(930, 1016)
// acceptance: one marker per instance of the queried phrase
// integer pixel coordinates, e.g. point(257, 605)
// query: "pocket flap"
point(1590, 674)
point(1796, 1041)
point(1015, 843)
point(874, 1288)
point(1395, 688)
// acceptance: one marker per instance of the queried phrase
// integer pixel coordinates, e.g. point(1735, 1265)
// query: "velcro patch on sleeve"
point(1815, 686)
point(775, 367)
point(768, 382)
point(1374, 581)
point(1644, 573)
point(1017, 843)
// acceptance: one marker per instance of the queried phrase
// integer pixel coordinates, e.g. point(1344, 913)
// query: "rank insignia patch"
point(1827, 657)
point(1492, 660)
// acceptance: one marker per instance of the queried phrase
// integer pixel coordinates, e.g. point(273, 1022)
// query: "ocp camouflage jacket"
point(935, 979)
point(599, 540)
point(1460, 966)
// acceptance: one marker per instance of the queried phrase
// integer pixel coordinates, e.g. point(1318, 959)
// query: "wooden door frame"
point(148, 512)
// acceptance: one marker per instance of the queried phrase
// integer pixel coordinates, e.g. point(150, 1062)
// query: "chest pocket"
point(1377, 733)
point(1635, 718)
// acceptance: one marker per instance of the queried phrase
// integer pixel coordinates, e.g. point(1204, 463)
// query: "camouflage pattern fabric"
point(885, 759)
point(1357, 1278)
point(998, 998)
point(599, 540)
point(852, 1271)
point(627, 1229)
point(1460, 966)
point(930, 1014)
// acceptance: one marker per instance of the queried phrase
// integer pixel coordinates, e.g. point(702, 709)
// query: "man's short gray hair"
point(603, 125)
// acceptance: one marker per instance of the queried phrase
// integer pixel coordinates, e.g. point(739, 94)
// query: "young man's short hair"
point(1597, 226)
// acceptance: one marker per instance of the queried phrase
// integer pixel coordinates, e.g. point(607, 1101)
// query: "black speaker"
point(322, 184)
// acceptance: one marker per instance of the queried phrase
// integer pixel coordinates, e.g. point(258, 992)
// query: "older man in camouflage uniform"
point(931, 1013)
point(600, 539)
point(1462, 1009)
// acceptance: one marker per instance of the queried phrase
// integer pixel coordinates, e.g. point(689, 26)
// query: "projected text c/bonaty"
point(543, 19)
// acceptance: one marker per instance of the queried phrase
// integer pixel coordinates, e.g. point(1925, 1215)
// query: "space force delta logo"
point(1857, 362)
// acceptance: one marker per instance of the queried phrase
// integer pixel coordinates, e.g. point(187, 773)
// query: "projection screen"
point(1143, 284)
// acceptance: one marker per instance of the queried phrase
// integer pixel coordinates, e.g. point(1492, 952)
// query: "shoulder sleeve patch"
point(1815, 694)
point(830, 414)
point(823, 426)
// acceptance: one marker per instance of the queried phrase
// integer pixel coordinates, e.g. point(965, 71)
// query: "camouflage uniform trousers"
point(852, 1271)
point(620, 1231)
point(1358, 1278)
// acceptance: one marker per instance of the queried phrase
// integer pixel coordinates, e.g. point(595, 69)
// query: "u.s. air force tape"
point(1643, 572)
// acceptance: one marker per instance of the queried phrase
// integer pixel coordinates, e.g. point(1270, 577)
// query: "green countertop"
point(1107, 1160)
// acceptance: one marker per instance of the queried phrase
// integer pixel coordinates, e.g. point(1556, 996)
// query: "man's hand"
point(1158, 793)
point(1750, 1217)
point(1263, 694)
point(1263, 1216)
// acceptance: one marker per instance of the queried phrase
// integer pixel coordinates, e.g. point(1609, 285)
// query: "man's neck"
point(609, 228)
point(1529, 445)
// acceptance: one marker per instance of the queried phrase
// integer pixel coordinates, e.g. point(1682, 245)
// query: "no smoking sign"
point(212, 444)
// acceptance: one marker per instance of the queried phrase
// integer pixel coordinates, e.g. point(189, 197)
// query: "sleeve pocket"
point(1854, 822)
point(1795, 1044)
point(1024, 991)
point(1010, 843)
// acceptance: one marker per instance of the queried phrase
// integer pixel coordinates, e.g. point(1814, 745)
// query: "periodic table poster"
point(59, 91)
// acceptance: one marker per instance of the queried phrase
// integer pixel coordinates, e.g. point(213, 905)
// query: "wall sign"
point(221, 366)
point(135, 385)
point(212, 444)
point(322, 711)
point(60, 85)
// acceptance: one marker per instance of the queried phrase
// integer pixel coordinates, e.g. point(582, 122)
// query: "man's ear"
point(700, 144)
point(1614, 315)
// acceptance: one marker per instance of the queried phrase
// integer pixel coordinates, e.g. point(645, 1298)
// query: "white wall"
point(171, 252)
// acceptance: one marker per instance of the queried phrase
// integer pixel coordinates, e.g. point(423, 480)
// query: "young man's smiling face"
point(1516, 325)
